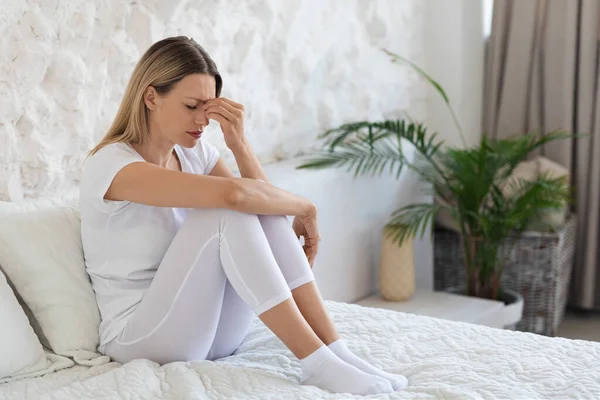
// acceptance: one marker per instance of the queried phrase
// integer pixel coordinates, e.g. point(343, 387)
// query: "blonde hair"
point(164, 64)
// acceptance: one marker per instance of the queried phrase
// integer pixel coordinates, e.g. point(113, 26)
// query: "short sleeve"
point(209, 154)
point(99, 172)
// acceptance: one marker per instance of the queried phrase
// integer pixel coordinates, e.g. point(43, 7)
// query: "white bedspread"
point(441, 359)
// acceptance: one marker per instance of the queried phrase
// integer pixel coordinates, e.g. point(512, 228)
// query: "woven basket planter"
point(539, 269)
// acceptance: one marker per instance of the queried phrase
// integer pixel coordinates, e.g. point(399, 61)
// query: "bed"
point(442, 359)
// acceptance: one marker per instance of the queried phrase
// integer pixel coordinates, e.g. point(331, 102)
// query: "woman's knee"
point(202, 215)
point(274, 223)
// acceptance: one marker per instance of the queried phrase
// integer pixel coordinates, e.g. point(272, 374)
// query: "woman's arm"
point(247, 161)
point(305, 226)
point(230, 116)
point(146, 183)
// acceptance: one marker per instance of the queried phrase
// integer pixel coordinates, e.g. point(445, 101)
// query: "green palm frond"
point(475, 176)
point(370, 147)
point(362, 157)
point(533, 198)
point(370, 132)
point(407, 221)
point(468, 176)
point(508, 153)
point(502, 216)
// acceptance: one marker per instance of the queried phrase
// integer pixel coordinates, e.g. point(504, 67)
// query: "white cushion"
point(21, 353)
point(20, 348)
point(42, 256)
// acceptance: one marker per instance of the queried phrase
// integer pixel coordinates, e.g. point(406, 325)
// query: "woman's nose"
point(201, 118)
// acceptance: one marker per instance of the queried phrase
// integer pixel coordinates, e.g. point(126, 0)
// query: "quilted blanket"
point(441, 359)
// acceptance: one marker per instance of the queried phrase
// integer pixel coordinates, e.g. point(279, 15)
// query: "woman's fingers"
point(309, 254)
point(225, 103)
point(222, 111)
point(236, 109)
point(307, 228)
point(298, 228)
point(217, 117)
point(232, 103)
point(310, 249)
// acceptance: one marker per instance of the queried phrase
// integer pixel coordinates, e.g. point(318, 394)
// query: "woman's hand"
point(307, 227)
point(230, 115)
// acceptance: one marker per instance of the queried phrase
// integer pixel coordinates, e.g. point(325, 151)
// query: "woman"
point(182, 253)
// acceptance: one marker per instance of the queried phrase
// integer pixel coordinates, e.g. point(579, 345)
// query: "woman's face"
point(177, 116)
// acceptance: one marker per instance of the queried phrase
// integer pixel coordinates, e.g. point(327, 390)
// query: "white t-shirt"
point(124, 242)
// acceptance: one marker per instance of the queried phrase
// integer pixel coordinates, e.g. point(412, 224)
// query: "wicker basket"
point(539, 269)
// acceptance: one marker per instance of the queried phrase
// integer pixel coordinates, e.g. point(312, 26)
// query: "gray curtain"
point(542, 74)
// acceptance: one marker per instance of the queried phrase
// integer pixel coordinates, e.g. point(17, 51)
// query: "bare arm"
point(230, 116)
point(247, 161)
point(304, 225)
point(146, 183)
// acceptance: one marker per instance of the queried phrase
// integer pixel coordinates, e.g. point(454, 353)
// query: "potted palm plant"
point(472, 185)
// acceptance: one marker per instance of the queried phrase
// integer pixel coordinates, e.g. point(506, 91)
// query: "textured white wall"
point(299, 67)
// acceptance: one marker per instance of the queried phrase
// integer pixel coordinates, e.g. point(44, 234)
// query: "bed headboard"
point(352, 213)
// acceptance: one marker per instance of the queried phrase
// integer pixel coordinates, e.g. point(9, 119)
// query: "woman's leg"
point(183, 305)
point(234, 321)
point(295, 268)
point(297, 272)
point(299, 277)
point(179, 316)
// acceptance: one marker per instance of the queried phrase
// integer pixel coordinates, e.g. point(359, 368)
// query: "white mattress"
point(442, 359)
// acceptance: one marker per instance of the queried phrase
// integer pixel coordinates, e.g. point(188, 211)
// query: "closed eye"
point(191, 107)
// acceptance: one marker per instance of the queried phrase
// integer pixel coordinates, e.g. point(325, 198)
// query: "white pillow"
point(42, 256)
point(20, 348)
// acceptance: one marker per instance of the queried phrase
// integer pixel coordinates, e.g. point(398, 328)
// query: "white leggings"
point(222, 268)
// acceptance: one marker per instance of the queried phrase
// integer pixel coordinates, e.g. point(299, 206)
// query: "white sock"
point(341, 350)
point(325, 370)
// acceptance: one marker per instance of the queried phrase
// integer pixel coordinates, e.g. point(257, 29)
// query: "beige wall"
point(454, 54)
